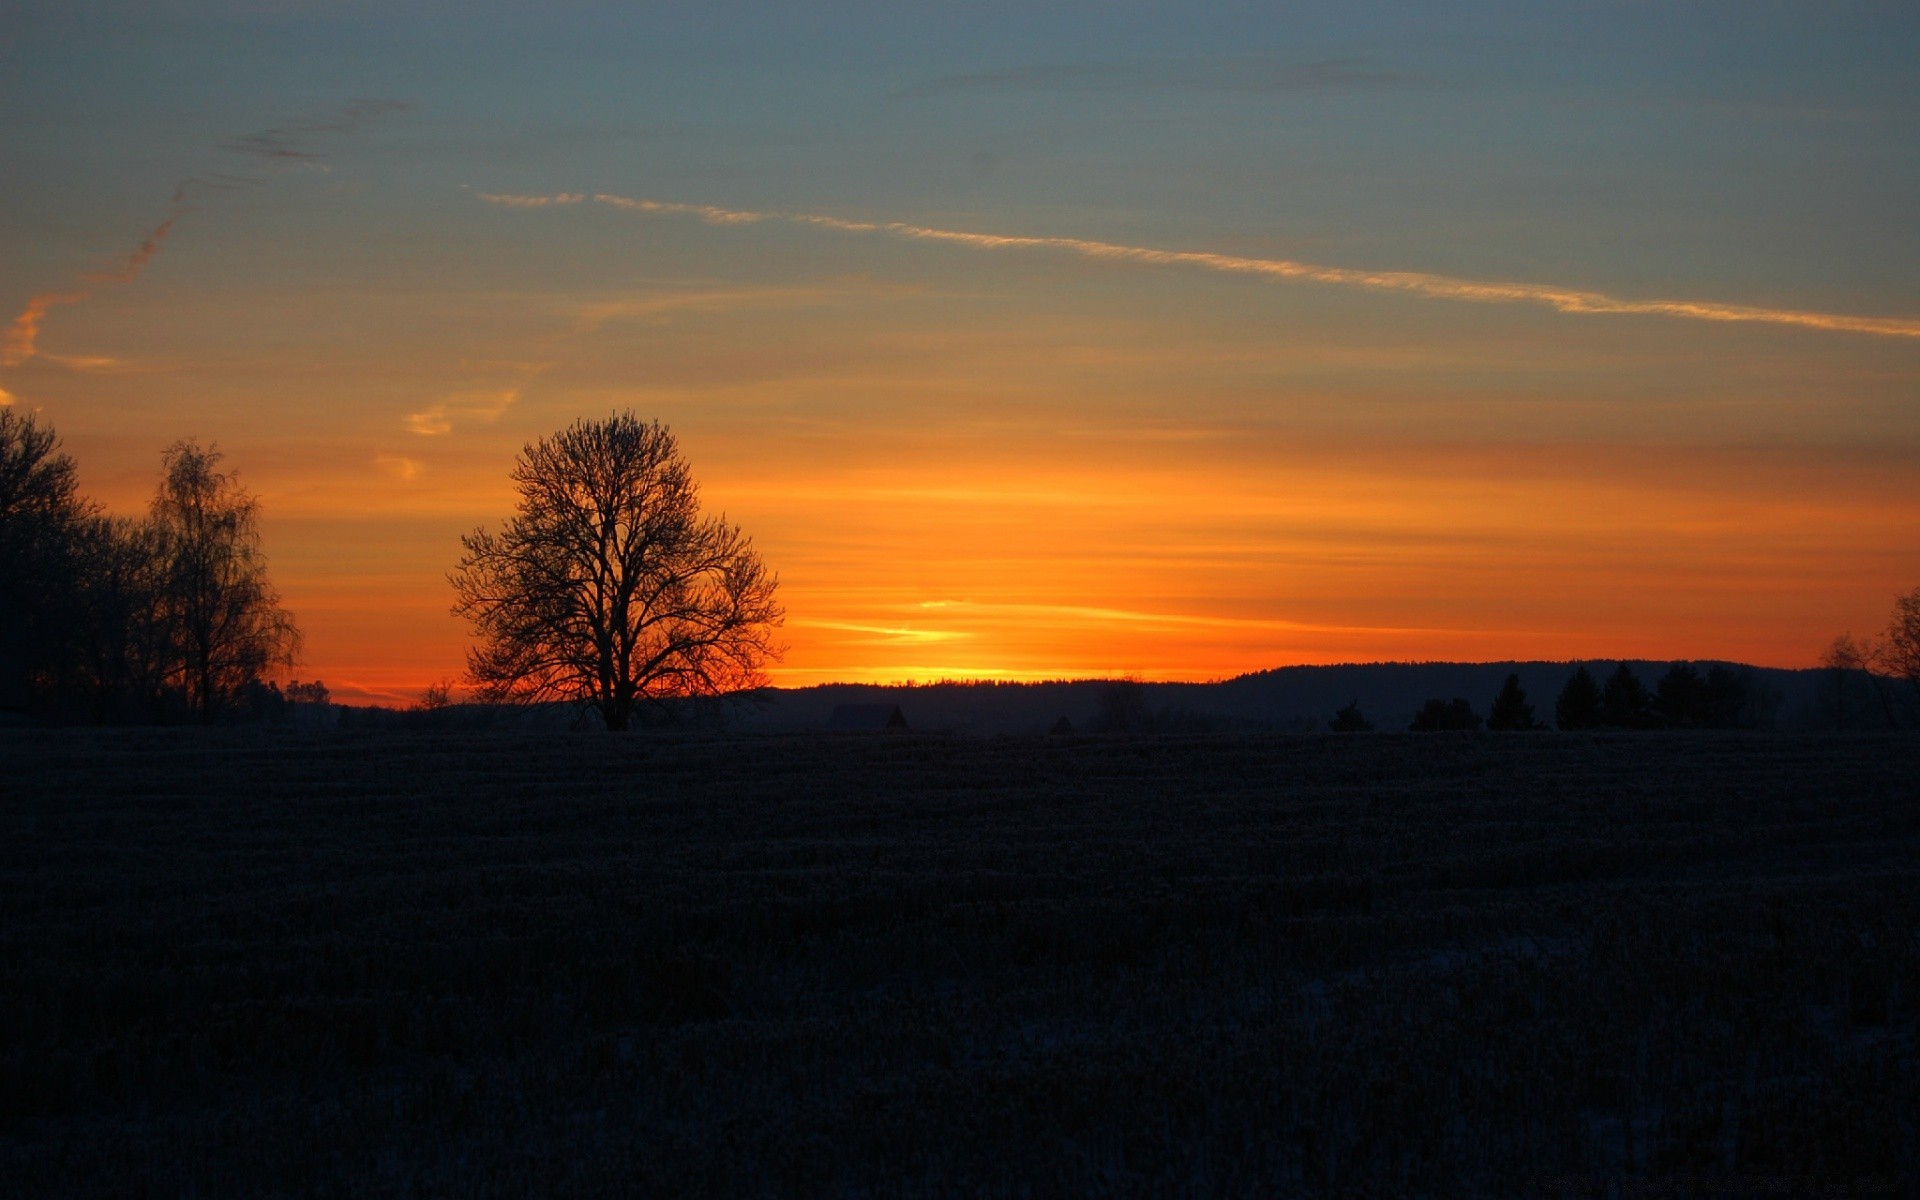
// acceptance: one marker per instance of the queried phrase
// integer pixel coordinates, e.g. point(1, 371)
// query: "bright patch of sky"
point(336, 304)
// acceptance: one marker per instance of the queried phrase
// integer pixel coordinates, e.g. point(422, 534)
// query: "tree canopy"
point(115, 618)
point(225, 617)
point(608, 588)
point(1900, 650)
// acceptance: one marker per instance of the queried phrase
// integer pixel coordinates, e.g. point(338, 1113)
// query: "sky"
point(1024, 341)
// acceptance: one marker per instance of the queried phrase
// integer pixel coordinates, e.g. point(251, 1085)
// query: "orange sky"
point(980, 481)
point(1413, 362)
point(963, 567)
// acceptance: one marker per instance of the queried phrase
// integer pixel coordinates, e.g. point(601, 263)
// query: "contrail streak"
point(1416, 283)
point(269, 146)
point(136, 262)
point(23, 336)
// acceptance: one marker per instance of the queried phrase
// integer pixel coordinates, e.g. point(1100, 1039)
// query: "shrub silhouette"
point(1350, 720)
point(1438, 715)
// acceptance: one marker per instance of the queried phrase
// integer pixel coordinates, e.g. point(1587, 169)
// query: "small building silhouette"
point(867, 718)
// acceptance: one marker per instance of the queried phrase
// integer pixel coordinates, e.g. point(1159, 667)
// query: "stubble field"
point(236, 964)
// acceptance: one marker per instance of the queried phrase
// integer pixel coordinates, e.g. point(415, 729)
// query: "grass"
point(417, 964)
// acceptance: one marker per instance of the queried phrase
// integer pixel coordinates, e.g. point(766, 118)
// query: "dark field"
point(408, 964)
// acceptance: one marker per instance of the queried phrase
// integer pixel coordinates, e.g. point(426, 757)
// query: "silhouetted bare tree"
point(1899, 650)
point(608, 588)
point(118, 618)
point(227, 626)
point(1845, 661)
point(40, 511)
point(123, 648)
point(437, 697)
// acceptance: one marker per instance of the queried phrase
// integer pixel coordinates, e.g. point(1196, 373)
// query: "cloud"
point(596, 315)
point(887, 635)
point(6, 398)
point(712, 215)
point(431, 422)
point(1127, 616)
point(1246, 75)
point(99, 364)
point(271, 145)
point(287, 143)
point(136, 262)
point(24, 333)
point(1414, 283)
point(397, 466)
point(531, 201)
point(211, 181)
point(481, 406)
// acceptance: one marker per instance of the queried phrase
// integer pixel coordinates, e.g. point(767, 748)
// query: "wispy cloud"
point(504, 201)
point(1415, 283)
point(277, 145)
point(130, 269)
point(595, 315)
point(101, 364)
point(24, 334)
point(887, 634)
point(290, 142)
point(439, 419)
point(398, 466)
point(1246, 74)
point(1077, 612)
point(6, 398)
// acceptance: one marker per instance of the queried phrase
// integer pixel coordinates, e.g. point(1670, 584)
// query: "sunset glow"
point(1019, 353)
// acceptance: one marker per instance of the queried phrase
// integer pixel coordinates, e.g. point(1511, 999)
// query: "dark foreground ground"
point(407, 964)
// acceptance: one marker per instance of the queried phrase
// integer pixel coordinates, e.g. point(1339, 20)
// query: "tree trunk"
point(206, 692)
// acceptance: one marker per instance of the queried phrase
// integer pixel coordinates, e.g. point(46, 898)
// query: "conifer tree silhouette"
point(1510, 709)
point(1579, 704)
point(1624, 702)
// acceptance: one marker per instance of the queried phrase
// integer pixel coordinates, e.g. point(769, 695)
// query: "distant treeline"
point(1720, 697)
point(167, 617)
point(1391, 696)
